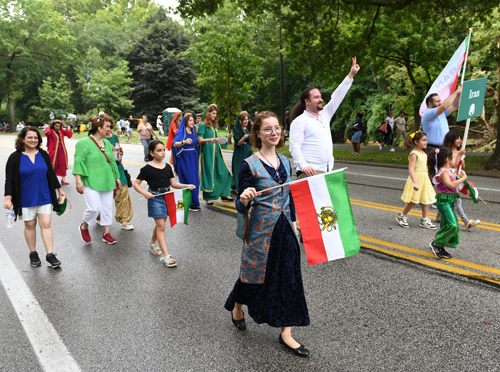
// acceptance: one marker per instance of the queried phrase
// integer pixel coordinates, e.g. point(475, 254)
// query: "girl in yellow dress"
point(418, 188)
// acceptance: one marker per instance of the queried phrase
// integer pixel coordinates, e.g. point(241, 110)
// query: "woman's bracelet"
point(79, 182)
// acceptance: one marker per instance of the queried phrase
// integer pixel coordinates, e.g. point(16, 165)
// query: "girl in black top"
point(159, 177)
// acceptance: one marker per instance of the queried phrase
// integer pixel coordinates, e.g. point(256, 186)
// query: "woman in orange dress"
point(174, 126)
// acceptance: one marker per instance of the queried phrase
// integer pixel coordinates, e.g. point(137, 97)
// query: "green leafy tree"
point(222, 53)
point(485, 62)
point(108, 90)
point(162, 76)
point(31, 35)
point(55, 98)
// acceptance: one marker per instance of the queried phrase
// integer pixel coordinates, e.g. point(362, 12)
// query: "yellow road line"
point(483, 225)
point(434, 264)
point(468, 264)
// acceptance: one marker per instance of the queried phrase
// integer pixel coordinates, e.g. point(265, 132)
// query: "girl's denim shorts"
point(157, 207)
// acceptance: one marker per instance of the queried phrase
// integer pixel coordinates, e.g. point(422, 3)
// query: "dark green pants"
point(448, 235)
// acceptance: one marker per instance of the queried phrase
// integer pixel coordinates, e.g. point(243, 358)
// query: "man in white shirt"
point(310, 137)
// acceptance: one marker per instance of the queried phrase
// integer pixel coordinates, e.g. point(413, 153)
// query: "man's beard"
point(319, 106)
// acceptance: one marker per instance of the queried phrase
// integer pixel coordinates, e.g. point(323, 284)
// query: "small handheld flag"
point(326, 220)
point(178, 203)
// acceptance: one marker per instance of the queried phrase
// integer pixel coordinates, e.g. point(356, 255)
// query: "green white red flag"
point(446, 82)
point(468, 188)
point(178, 203)
point(325, 215)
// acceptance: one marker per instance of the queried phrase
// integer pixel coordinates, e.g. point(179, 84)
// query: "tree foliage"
point(108, 90)
point(162, 76)
point(55, 98)
point(222, 52)
point(32, 37)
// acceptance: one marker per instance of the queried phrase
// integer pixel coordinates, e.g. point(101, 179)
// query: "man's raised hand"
point(354, 69)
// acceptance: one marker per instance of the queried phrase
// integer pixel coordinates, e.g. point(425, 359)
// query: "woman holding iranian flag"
point(270, 280)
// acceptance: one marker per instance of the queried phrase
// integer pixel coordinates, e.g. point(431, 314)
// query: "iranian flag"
point(178, 203)
point(446, 83)
point(468, 188)
point(326, 221)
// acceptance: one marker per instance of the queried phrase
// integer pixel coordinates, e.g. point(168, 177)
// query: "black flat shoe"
point(209, 202)
point(228, 198)
point(240, 324)
point(301, 351)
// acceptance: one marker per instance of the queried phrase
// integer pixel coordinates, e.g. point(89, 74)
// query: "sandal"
point(168, 261)
point(155, 249)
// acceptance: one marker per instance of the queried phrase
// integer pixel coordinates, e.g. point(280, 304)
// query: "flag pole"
point(289, 183)
point(467, 124)
point(165, 193)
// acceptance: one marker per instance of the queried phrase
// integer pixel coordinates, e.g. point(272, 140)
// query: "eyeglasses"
point(269, 131)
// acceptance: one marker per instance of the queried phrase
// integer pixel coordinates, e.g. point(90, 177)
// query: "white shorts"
point(30, 213)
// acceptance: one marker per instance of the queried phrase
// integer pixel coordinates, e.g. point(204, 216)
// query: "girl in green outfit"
point(242, 144)
point(216, 180)
point(96, 176)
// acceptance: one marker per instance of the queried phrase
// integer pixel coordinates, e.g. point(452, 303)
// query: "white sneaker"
point(127, 226)
point(392, 150)
point(380, 147)
point(402, 220)
point(427, 224)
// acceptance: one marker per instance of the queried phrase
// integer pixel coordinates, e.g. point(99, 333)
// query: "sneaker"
point(402, 220)
point(357, 154)
point(471, 224)
point(380, 147)
point(437, 219)
point(52, 261)
point(427, 224)
point(445, 254)
point(194, 208)
point(392, 150)
point(354, 153)
point(84, 233)
point(107, 238)
point(433, 205)
point(34, 259)
point(127, 226)
point(436, 250)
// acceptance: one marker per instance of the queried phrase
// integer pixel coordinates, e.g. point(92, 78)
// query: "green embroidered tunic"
point(216, 180)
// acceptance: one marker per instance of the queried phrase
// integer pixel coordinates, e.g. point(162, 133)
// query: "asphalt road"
point(116, 308)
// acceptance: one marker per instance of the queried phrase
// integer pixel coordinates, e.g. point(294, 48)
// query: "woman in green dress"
point(242, 144)
point(216, 180)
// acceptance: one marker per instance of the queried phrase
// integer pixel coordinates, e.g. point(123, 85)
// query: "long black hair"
point(299, 107)
point(440, 155)
point(450, 138)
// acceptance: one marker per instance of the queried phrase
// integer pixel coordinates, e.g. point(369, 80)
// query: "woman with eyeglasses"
point(270, 280)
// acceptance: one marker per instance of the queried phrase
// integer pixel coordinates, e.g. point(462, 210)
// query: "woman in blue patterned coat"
point(270, 280)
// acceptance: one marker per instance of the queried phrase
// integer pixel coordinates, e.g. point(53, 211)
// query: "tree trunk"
point(10, 99)
point(416, 119)
point(494, 160)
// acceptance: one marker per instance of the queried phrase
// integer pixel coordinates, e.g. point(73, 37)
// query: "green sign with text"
point(472, 100)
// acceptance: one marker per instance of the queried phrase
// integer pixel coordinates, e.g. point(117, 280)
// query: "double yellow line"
point(453, 265)
point(457, 266)
point(390, 208)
